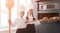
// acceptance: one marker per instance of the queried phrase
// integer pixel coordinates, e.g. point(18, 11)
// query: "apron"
point(21, 30)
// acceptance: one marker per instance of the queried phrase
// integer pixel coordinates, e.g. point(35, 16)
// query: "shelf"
point(46, 0)
point(50, 10)
point(41, 15)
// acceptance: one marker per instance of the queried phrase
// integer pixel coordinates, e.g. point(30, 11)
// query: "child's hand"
point(9, 22)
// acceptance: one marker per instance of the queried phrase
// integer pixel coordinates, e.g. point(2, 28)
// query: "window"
point(14, 11)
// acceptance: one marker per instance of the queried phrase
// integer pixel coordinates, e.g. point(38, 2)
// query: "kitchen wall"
point(59, 8)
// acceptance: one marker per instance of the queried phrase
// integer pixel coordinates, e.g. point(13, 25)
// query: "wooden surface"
point(9, 5)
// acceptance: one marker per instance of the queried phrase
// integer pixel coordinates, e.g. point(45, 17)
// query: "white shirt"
point(19, 23)
point(30, 17)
